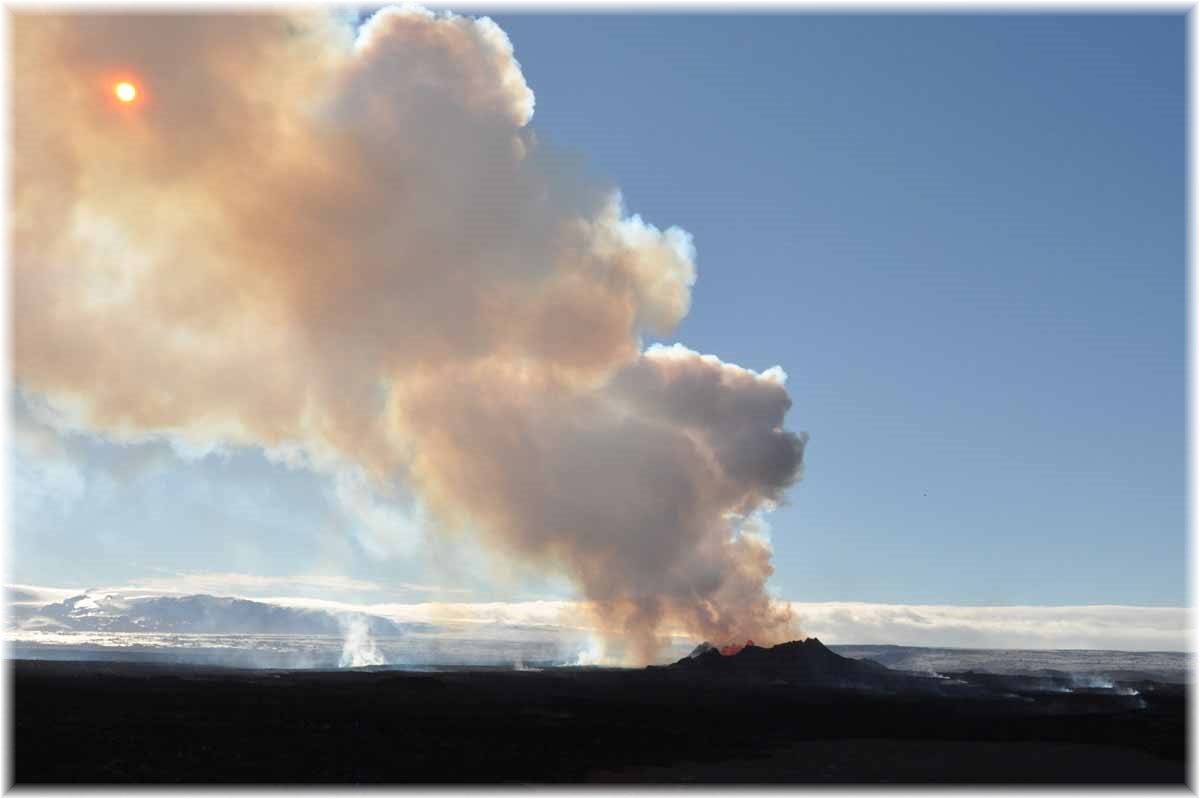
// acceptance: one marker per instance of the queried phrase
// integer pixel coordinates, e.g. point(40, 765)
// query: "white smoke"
point(354, 253)
point(359, 648)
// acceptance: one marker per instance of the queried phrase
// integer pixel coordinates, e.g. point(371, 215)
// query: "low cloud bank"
point(1108, 627)
point(1122, 627)
point(1118, 627)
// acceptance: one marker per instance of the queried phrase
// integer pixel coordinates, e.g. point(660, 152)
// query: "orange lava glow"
point(733, 649)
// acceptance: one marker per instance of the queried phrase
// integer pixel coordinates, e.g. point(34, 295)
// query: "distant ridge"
point(117, 611)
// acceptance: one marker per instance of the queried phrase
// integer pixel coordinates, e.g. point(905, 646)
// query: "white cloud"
point(36, 596)
point(227, 582)
point(1115, 627)
point(254, 585)
point(46, 475)
point(1120, 627)
point(384, 527)
point(536, 613)
point(1112, 627)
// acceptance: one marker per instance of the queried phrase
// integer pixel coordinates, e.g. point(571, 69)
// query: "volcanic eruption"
point(807, 662)
point(346, 247)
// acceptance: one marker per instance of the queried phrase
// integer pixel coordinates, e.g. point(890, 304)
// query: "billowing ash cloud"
point(349, 249)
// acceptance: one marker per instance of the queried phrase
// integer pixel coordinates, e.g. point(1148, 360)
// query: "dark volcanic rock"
point(807, 661)
point(85, 723)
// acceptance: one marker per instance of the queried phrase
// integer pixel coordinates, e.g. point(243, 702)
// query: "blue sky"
point(962, 237)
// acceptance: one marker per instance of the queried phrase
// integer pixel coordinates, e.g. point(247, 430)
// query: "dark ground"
point(101, 722)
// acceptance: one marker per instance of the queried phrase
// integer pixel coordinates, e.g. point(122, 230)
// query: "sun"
point(126, 92)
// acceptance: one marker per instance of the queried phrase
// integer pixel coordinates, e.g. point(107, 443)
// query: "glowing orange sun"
point(126, 92)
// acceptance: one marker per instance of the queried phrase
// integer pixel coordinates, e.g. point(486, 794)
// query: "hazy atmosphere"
point(719, 328)
point(406, 396)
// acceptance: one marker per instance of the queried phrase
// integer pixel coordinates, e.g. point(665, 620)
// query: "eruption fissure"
point(359, 253)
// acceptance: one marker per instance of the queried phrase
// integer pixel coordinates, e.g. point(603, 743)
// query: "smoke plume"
point(348, 248)
point(358, 647)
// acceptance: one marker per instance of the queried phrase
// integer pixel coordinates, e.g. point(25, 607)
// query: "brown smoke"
point(354, 249)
